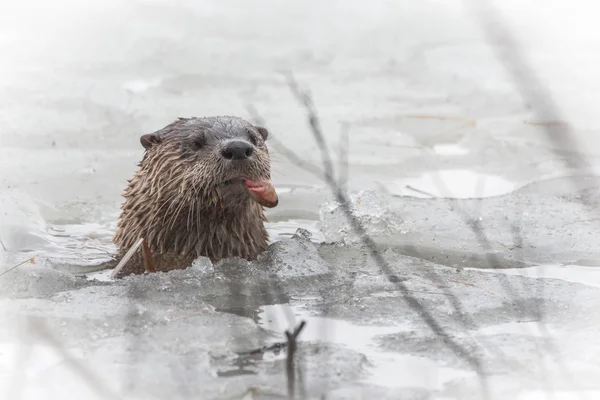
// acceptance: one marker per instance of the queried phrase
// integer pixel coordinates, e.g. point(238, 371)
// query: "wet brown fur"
point(177, 202)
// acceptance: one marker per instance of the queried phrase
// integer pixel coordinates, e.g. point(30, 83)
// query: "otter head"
point(201, 187)
point(223, 158)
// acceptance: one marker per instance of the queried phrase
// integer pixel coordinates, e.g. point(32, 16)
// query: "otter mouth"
point(260, 190)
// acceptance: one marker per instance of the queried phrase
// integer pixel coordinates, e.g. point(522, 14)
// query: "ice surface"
point(189, 333)
point(425, 97)
point(544, 222)
point(216, 330)
point(198, 331)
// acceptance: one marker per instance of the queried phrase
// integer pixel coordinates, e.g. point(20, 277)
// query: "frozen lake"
point(441, 143)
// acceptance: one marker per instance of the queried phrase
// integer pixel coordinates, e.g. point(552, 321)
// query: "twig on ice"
point(289, 362)
point(126, 258)
point(18, 265)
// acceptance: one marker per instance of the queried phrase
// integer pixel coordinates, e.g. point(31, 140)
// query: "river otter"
point(199, 191)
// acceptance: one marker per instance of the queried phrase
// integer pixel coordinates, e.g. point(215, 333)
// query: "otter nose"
point(237, 150)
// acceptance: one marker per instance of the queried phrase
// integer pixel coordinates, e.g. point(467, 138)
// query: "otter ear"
point(263, 132)
point(149, 140)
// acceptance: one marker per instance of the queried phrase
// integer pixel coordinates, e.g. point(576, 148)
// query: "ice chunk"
point(33, 280)
point(280, 230)
point(303, 233)
point(202, 265)
point(368, 208)
point(295, 257)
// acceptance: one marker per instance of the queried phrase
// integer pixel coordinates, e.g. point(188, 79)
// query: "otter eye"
point(197, 143)
point(253, 139)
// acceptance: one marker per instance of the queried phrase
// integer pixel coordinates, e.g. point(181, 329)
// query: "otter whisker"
point(192, 210)
point(168, 201)
point(166, 217)
point(178, 210)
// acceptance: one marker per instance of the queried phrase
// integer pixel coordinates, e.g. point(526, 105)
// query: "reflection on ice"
point(139, 86)
point(450, 150)
point(387, 369)
point(584, 275)
point(454, 183)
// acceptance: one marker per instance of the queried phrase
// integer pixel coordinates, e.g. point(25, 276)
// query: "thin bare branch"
point(304, 98)
point(417, 191)
point(18, 265)
point(292, 346)
point(343, 156)
point(543, 104)
point(529, 85)
point(283, 149)
point(291, 156)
